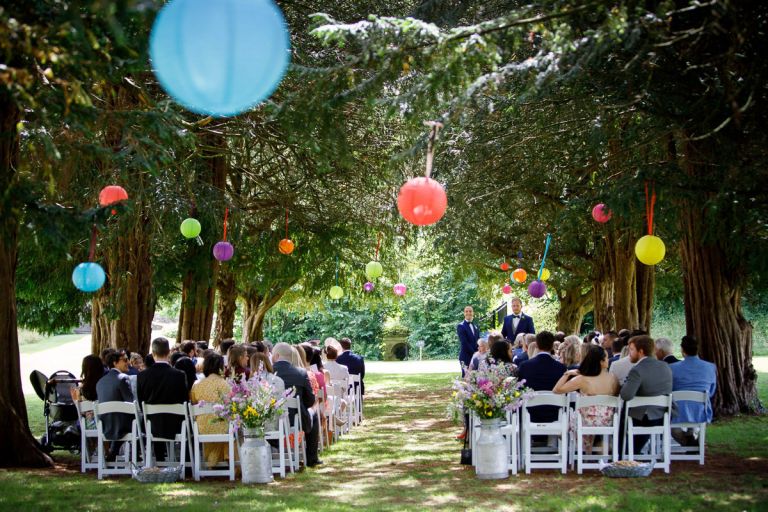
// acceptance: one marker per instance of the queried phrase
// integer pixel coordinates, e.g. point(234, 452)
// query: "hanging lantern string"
point(435, 127)
point(92, 251)
point(544, 258)
point(649, 206)
point(378, 245)
point(519, 258)
point(286, 223)
point(337, 270)
point(226, 214)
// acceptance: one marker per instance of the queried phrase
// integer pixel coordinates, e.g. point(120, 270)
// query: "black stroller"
point(62, 429)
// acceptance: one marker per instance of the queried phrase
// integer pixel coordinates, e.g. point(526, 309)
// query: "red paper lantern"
point(504, 266)
point(112, 194)
point(285, 246)
point(601, 213)
point(422, 201)
point(520, 275)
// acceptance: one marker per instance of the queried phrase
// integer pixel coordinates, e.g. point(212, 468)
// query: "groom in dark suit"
point(468, 336)
point(518, 322)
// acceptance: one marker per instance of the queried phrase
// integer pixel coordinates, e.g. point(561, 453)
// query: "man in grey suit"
point(115, 386)
point(649, 377)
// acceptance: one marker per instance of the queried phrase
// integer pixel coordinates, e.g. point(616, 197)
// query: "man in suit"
point(468, 336)
point(354, 362)
point(692, 374)
point(297, 379)
point(648, 377)
point(664, 351)
point(162, 384)
point(115, 386)
point(518, 322)
point(541, 373)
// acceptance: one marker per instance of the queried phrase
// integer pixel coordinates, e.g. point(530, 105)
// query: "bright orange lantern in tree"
point(504, 266)
point(520, 275)
point(286, 246)
point(112, 194)
point(422, 201)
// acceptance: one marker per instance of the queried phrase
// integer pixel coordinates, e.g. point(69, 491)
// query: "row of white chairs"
point(519, 429)
point(190, 440)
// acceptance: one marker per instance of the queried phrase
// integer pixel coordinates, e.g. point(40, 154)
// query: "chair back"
point(196, 410)
point(690, 396)
point(583, 401)
point(112, 407)
point(177, 409)
point(546, 399)
point(649, 401)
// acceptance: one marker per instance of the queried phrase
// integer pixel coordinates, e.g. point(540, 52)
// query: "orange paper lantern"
point(520, 275)
point(504, 266)
point(286, 246)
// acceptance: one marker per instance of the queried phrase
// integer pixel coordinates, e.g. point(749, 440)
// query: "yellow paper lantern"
point(336, 292)
point(545, 274)
point(650, 250)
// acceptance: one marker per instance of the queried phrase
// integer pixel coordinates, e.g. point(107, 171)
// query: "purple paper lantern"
point(537, 289)
point(369, 286)
point(223, 251)
point(399, 289)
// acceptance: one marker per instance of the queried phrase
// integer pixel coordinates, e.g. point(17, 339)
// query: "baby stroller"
point(61, 421)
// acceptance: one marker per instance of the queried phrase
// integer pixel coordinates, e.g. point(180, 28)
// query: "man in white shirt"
point(621, 368)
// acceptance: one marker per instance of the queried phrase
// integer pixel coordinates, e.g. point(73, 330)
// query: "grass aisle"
point(405, 457)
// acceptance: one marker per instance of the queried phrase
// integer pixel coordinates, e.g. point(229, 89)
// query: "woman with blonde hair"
point(570, 352)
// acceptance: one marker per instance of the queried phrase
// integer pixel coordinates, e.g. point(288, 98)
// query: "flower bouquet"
point(250, 404)
point(489, 392)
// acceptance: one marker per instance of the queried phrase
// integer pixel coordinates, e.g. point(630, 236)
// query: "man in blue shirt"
point(692, 374)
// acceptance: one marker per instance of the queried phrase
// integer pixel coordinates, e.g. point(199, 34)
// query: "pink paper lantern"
point(422, 201)
point(399, 289)
point(537, 289)
point(369, 286)
point(112, 194)
point(506, 290)
point(601, 213)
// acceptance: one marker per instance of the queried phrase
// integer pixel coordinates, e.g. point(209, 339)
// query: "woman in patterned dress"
point(211, 389)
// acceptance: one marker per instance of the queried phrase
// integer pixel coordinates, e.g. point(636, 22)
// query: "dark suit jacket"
point(163, 384)
point(671, 359)
point(297, 379)
point(524, 325)
point(115, 387)
point(541, 373)
point(467, 341)
point(649, 377)
point(355, 364)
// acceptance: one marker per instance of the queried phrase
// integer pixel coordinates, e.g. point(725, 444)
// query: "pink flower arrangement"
point(251, 403)
point(490, 392)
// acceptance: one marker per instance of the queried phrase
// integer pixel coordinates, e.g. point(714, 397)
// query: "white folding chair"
point(122, 465)
point(181, 437)
point(338, 390)
point(84, 407)
point(511, 432)
point(610, 432)
point(199, 465)
point(660, 459)
point(544, 458)
point(690, 452)
point(299, 441)
point(284, 454)
point(356, 392)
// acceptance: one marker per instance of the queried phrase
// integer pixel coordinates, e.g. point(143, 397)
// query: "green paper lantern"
point(373, 270)
point(190, 228)
point(336, 292)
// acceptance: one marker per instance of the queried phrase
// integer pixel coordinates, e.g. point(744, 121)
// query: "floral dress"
point(593, 416)
point(211, 389)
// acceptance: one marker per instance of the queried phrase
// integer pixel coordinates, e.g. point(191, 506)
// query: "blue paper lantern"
point(88, 277)
point(222, 57)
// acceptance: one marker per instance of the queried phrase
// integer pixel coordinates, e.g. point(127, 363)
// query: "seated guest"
point(338, 371)
point(533, 349)
point(297, 379)
point(237, 366)
point(606, 341)
point(541, 373)
point(224, 347)
point(91, 372)
point(354, 362)
point(189, 349)
point(664, 351)
point(163, 384)
point(211, 389)
point(519, 346)
point(500, 355)
point(621, 367)
point(186, 365)
point(175, 356)
point(482, 351)
point(570, 352)
point(591, 378)
point(523, 357)
point(616, 345)
point(137, 364)
point(692, 374)
point(648, 377)
point(115, 386)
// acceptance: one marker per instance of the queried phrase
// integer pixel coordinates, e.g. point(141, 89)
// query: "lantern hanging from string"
point(112, 194)
point(422, 201)
point(650, 249)
point(601, 213)
point(223, 250)
point(368, 287)
point(336, 292)
point(89, 276)
point(537, 289)
point(374, 269)
point(520, 275)
point(400, 289)
point(219, 58)
point(504, 266)
point(506, 289)
point(545, 274)
point(286, 245)
point(190, 228)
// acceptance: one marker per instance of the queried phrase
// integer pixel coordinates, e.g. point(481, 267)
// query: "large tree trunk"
point(17, 446)
point(573, 305)
point(199, 286)
point(226, 307)
point(123, 309)
point(645, 277)
point(256, 307)
point(713, 313)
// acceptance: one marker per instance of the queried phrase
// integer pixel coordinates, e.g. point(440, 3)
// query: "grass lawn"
point(48, 342)
point(405, 457)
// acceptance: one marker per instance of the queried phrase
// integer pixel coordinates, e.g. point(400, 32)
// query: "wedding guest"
point(115, 386)
point(501, 355)
point(338, 371)
point(541, 373)
point(211, 389)
point(533, 349)
point(224, 347)
point(664, 351)
point(570, 352)
point(517, 322)
point(92, 371)
point(237, 363)
point(137, 364)
point(355, 363)
point(186, 365)
point(692, 374)
point(482, 351)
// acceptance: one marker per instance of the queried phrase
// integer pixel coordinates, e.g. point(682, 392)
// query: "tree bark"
point(226, 307)
point(646, 284)
point(17, 446)
point(256, 308)
point(123, 309)
point(573, 305)
point(712, 279)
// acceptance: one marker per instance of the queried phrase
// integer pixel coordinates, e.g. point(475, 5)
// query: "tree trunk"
point(712, 282)
point(646, 284)
point(123, 309)
point(226, 308)
point(573, 305)
point(256, 307)
point(17, 446)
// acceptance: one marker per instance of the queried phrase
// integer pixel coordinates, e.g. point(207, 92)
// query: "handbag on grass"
point(466, 453)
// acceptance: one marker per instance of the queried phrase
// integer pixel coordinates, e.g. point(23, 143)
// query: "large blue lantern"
point(219, 57)
point(88, 277)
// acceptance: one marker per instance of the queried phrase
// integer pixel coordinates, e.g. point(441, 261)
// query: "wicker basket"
point(614, 471)
point(155, 475)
